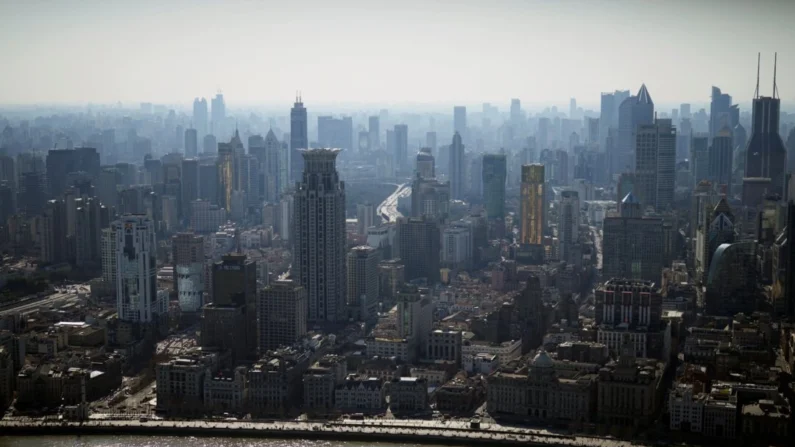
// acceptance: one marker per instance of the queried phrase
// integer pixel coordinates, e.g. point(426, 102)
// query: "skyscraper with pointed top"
point(457, 170)
point(633, 112)
point(299, 139)
point(765, 155)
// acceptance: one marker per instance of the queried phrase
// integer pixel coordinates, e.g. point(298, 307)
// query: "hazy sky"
point(446, 51)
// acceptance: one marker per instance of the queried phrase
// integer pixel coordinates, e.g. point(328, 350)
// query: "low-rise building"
point(180, 384)
point(460, 395)
point(275, 382)
point(767, 419)
point(225, 391)
point(686, 408)
point(360, 395)
point(504, 351)
point(408, 395)
point(444, 345)
point(320, 381)
point(399, 348)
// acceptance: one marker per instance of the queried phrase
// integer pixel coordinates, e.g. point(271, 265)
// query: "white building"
point(225, 391)
point(390, 347)
point(137, 298)
point(190, 283)
point(206, 217)
point(456, 247)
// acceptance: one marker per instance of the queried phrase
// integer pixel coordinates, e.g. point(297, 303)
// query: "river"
point(175, 441)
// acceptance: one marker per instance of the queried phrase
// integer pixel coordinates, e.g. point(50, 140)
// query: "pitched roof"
point(643, 96)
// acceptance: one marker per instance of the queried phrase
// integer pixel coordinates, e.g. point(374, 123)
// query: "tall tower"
point(227, 175)
point(721, 155)
point(533, 205)
point(137, 297)
point(281, 315)
point(655, 167)
point(299, 140)
point(494, 173)
point(272, 170)
point(765, 156)
point(219, 116)
point(568, 224)
point(402, 148)
point(460, 120)
point(374, 133)
point(191, 142)
point(632, 112)
point(457, 170)
point(362, 293)
point(200, 116)
point(319, 244)
point(719, 112)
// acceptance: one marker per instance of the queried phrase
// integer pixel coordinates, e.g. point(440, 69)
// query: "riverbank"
point(407, 431)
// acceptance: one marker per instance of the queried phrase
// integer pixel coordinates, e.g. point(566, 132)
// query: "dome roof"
point(542, 360)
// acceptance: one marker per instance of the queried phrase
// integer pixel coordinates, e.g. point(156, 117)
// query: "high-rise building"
point(234, 284)
point(533, 204)
point(335, 132)
point(366, 217)
point(88, 231)
point(655, 167)
point(715, 228)
point(430, 140)
point(218, 121)
point(457, 168)
point(200, 117)
point(494, 173)
point(228, 171)
point(460, 120)
point(401, 134)
point(699, 158)
point(62, 162)
point(418, 241)
point(209, 144)
point(271, 171)
point(632, 244)
point(426, 164)
point(721, 157)
point(430, 198)
point(608, 117)
point(54, 247)
point(137, 297)
point(374, 132)
point(765, 156)
point(190, 183)
point(568, 225)
point(281, 315)
point(187, 249)
point(320, 239)
point(719, 112)
point(299, 139)
point(732, 284)
point(456, 246)
point(362, 294)
point(633, 112)
point(109, 270)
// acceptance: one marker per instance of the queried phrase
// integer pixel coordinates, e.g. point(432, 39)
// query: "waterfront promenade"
point(413, 431)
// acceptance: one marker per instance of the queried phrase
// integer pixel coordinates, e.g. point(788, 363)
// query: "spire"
point(643, 95)
point(758, 60)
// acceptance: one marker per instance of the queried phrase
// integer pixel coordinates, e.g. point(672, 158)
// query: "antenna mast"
point(758, 59)
point(775, 87)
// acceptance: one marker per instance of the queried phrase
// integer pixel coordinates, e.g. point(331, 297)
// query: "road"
point(388, 208)
point(456, 432)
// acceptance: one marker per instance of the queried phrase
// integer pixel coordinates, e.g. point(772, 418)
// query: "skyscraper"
point(568, 224)
point(714, 229)
point(362, 293)
point(418, 241)
point(699, 158)
point(188, 263)
point(54, 247)
point(765, 157)
point(231, 319)
point(299, 139)
point(721, 155)
point(374, 131)
point(494, 175)
point(430, 140)
point(460, 120)
point(457, 168)
point(320, 239)
point(281, 315)
point(732, 284)
point(271, 168)
point(335, 132)
point(200, 117)
point(137, 297)
point(190, 183)
point(719, 112)
point(219, 116)
point(608, 117)
point(426, 164)
point(632, 244)
point(402, 149)
point(227, 175)
point(366, 217)
point(633, 112)
point(191, 142)
point(655, 168)
point(533, 205)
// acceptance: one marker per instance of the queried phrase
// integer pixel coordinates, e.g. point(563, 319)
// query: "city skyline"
point(176, 58)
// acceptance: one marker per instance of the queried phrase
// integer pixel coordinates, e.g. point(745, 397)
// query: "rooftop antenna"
point(758, 59)
point(775, 87)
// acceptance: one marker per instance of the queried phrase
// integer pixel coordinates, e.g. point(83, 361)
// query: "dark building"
point(632, 244)
point(765, 157)
point(61, 162)
point(721, 158)
point(418, 242)
point(494, 174)
point(235, 284)
point(633, 112)
point(191, 143)
point(190, 184)
point(299, 139)
point(732, 283)
point(720, 112)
